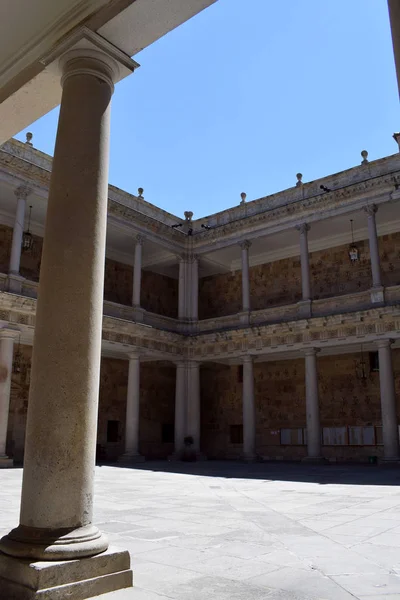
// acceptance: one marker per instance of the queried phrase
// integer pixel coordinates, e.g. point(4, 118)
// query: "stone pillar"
point(394, 14)
point(377, 294)
point(132, 412)
point(249, 416)
point(193, 407)
point(245, 245)
point(14, 277)
point(61, 434)
point(390, 430)
point(305, 304)
point(180, 410)
point(7, 337)
point(312, 408)
point(195, 288)
point(137, 271)
point(181, 290)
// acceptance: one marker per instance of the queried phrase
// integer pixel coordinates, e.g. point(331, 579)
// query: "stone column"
point(137, 271)
point(14, 277)
point(180, 410)
point(132, 412)
point(390, 430)
point(60, 443)
point(377, 294)
point(7, 337)
point(249, 416)
point(193, 407)
point(245, 245)
point(394, 14)
point(181, 290)
point(195, 288)
point(305, 304)
point(312, 408)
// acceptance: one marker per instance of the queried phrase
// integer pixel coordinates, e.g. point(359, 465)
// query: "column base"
point(14, 283)
point(244, 317)
point(315, 460)
point(127, 459)
point(249, 458)
point(389, 462)
point(304, 309)
point(377, 295)
point(22, 579)
point(53, 544)
point(138, 314)
point(6, 462)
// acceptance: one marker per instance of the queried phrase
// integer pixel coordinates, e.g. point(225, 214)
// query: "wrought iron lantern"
point(27, 237)
point(361, 368)
point(353, 250)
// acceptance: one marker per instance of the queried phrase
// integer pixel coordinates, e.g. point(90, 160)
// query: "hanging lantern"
point(361, 368)
point(27, 237)
point(17, 362)
point(353, 250)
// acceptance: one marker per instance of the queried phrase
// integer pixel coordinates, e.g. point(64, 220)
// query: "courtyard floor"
point(228, 531)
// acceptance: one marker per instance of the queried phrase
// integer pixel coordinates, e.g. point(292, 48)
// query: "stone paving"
point(228, 531)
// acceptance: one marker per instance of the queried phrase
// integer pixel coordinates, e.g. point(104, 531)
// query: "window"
point(236, 434)
point(374, 362)
point(240, 374)
point(112, 431)
point(167, 433)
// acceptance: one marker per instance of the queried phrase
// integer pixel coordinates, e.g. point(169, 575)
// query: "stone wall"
point(280, 403)
point(279, 283)
point(159, 294)
point(30, 261)
point(157, 407)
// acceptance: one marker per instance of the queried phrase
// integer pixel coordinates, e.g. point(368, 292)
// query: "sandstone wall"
point(279, 283)
point(280, 403)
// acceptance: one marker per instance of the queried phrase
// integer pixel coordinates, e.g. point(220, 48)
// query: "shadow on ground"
point(322, 474)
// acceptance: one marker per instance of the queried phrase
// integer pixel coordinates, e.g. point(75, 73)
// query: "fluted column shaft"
point(312, 405)
point(249, 416)
point(374, 246)
point(61, 433)
point(390, 430)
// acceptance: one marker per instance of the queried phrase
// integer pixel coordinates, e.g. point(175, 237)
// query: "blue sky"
point(245, 95)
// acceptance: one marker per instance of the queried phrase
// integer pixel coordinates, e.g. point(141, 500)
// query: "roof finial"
point(140, 192)
point(364, 154)
point(396, 137)
point(243, 196)
point(299, 179)
point(29, 137)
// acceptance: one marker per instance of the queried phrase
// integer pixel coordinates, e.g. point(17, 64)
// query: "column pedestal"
point(14, 283)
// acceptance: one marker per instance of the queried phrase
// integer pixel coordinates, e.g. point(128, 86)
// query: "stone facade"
point(345, 401)
point(279, 283)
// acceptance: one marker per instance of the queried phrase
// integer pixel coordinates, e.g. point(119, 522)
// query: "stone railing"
point(336, 305)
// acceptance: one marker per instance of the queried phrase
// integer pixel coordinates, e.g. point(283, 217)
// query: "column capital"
point(245, 244)
point(88, 61)
point(140, 239)
point(22, 191)
point(133, 356)
point(247, 358)
point(303, 228)
point(371, 209)
point(180, 364)
point(7, 333)
point(191, 257)
point(311, 351)
point(385, 343)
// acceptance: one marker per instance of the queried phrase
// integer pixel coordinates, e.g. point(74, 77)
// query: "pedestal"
point(6, 462)
point(377, 295)
point(14, 283)
point(22, 579)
